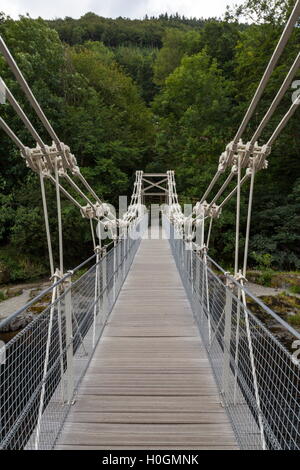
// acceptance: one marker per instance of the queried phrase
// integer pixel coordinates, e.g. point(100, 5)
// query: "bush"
point(265, 277)
point(20, 268)
point(294, 289)
point(263, 260)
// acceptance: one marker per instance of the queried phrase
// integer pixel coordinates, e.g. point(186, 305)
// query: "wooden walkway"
point(149, 384)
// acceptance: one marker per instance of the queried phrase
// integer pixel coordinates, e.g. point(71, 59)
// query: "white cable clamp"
point(201, 209)
point(110, 225)
point(102, 210)
point(34, 158)
point(259, 160)
point(226, 157)
point(215, 211)
point(229, 280)
point(243, 155)
point(239, 277)
point(98, 250)
point(57, 275)
point(88, 212)
point(48, 156)
point(203, 249)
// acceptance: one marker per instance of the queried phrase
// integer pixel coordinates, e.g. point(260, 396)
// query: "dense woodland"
point(152, 94)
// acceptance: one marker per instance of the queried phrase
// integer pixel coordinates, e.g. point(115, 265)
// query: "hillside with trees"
point(153, 94)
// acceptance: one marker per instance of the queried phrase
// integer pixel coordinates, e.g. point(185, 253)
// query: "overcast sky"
point(114, 8)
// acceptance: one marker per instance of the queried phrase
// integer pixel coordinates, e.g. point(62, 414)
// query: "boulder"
point(18, 322)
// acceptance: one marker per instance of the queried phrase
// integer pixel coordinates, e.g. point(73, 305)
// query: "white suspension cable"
point(93, 233)
point(210, 187)
point(284, 121)
point(60, 236)
point(238, 210)
point(270, 67)
point(23, 117)
point(248, 221)
point(88, 187)
point(209, 232)
point(284, 87)
point(232, 193)
point(11, 134)
point(222, 189)
point(24, 85)
point(72, 183)
point(50, 253)
point(65, 192)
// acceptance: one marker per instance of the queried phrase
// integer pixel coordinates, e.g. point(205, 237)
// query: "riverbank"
point(18, 295)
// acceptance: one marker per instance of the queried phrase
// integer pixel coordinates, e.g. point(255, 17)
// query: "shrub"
point(294, 289)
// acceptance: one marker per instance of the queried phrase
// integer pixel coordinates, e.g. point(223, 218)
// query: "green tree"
point(176, 44)
point(262, 11)
point(193, 121)
point(138, 63)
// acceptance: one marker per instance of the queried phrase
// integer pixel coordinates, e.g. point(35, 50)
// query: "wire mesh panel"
point(258, 376)
point(46, 360)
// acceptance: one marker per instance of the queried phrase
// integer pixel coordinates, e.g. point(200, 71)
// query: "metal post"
point(96, 296)
point(127, 245)
point(119, 266)
point(124, 240)
point(60, 348)
point(114, 268)
point(202, 290)
point(207, 296)
point(192, 273)
point(197, 277)
point(253, 368)
point(226, 344)
point(104, 283)
point(237, 343)
point(191, 265)
point(69, 341)
point(46, 362)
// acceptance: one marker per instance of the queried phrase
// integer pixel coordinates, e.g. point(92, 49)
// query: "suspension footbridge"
point(149, 384)
point(154, 345)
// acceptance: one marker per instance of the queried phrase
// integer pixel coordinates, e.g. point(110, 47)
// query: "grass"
point(285, 305)
point(278, 279)
point(294, 320)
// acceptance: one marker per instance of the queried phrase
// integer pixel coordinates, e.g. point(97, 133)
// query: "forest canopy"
point(153, 94)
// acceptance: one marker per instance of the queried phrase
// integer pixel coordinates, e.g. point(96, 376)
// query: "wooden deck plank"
point(118, 330)
point(142, 447)
point(217, 417)
point(147, 434)
point(149, 384)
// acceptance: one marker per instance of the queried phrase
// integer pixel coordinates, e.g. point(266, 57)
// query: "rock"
point(18, 323)
point(13, 291)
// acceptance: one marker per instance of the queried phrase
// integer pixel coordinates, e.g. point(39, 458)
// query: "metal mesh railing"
point(257, 375)
point(46, 360)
